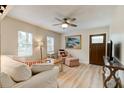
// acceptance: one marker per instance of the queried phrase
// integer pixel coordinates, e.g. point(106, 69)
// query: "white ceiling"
point(88, 16)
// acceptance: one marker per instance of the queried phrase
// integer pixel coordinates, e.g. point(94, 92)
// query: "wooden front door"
point(97, 48)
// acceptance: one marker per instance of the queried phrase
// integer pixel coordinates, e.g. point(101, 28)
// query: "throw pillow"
point(36, 68)
point(21, 73)
point(17, 70)
point(6, 81)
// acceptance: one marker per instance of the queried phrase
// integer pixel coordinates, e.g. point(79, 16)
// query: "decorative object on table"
point(73, 42)
point(2, 8)
point(48, 61)
point(41, 48)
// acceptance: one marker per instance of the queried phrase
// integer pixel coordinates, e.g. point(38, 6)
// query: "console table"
point(111, 68)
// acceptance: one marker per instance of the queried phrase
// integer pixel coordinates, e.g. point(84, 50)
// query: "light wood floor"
point(83, 76)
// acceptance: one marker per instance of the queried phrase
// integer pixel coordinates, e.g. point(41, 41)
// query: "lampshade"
point(64, 25)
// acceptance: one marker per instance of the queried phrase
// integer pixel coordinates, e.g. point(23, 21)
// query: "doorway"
point(97, 49)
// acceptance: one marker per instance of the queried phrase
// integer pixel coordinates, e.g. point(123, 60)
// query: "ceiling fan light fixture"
point(64, 25)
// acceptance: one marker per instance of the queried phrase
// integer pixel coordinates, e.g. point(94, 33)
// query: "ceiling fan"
point(2, 8)
point(65, 22)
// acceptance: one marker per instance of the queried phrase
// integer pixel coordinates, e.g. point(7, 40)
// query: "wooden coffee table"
point(55, 61)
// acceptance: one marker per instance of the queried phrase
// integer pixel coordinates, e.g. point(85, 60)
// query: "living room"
point(41, 27)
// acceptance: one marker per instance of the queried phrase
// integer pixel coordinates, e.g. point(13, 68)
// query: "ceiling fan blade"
point(73, 25)
point(73, 19)
point(56, 24)
point(59, 19)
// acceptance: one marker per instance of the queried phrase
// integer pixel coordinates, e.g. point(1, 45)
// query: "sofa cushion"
point(17, 70)
point(6, 81)
point(46, 79)
point(36, 68)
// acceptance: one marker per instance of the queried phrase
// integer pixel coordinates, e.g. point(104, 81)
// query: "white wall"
point(9, 36)
point(117, 32)
point(83, 53)
point(117, 29)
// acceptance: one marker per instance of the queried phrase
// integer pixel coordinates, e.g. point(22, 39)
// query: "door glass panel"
point(97, 39)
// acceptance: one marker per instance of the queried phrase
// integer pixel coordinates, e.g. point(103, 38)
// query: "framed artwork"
point(73, 42)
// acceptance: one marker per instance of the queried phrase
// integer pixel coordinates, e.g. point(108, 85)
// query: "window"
point(97, 39)
point(24, 43)
point(50, 45)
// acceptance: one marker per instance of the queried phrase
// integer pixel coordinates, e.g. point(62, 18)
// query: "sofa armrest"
point(46, 79)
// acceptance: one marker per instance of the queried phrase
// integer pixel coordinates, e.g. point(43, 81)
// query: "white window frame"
point(24, 51)
point(52, 46)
